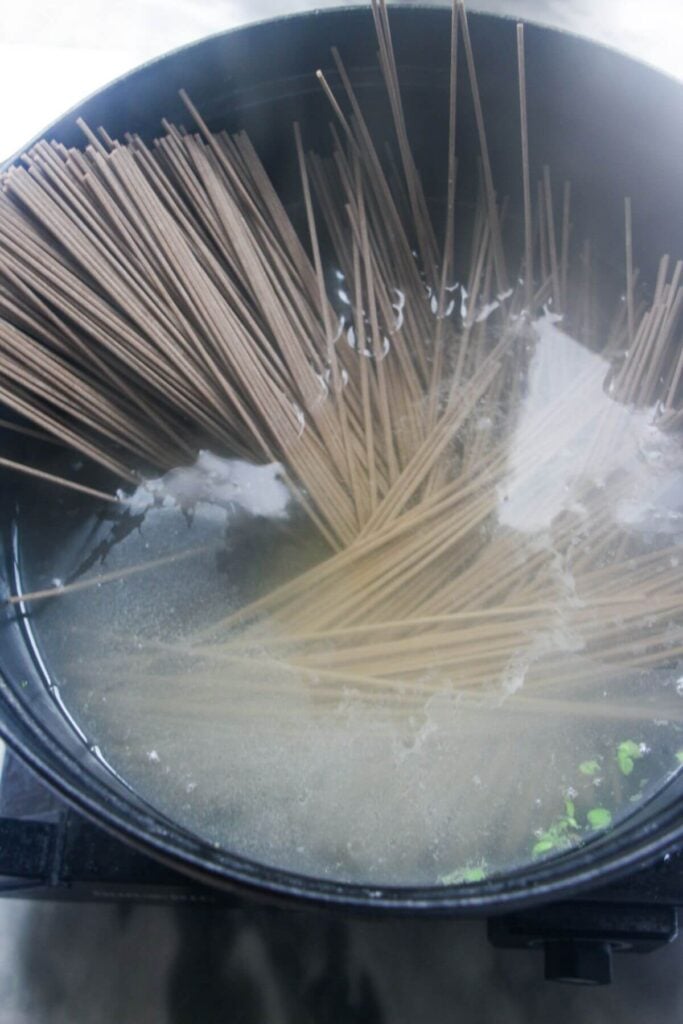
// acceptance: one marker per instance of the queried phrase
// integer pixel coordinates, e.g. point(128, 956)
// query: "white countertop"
point(53, 53)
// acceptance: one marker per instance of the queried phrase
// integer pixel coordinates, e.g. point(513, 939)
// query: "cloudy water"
point(370, 749)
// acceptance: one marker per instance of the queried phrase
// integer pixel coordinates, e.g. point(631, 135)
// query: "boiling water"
point(210, 723)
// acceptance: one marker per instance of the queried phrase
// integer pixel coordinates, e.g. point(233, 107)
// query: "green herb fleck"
point(679, 756)
point(474, 875)
point(589, 767)
point(599, 817)
point(24, 683)
point(630, 748)
point(542, 846)
point(557, 837)
point(470, 874)
point(628, 752)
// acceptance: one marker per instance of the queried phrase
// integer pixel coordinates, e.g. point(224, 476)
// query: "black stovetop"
point(50, 852)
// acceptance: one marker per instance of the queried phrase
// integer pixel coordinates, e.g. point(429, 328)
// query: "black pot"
point(601, 120)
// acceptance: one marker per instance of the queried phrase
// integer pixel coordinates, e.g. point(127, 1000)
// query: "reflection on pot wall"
point(80, 45)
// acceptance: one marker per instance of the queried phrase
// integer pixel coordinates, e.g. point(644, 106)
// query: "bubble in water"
point(340, 329)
